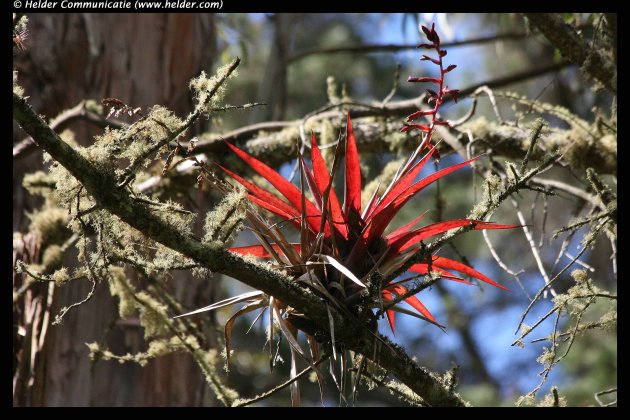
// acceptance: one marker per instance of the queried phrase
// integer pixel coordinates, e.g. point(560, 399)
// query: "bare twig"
point(605, 392)
point(534, 248)
point(391, 94)
point(503, 266)
point(243, 403)
point(557, 276)
point(82, 111)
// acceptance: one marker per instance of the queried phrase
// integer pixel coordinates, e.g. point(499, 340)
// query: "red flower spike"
point(423, 80)
point(421, 127)
point(450, 68)
point(431, 34)
point(419, 114)
point(435, 38)
point(432, 93)
point(442, 53)
point(352, 199)
point(427, 32)
point(433, 60)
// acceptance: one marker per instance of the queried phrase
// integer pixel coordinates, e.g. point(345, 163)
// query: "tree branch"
point(572, 46)
point(372, 137)
point(103, 187)
point(211, 143)
point(367, 48)
point(84, 110)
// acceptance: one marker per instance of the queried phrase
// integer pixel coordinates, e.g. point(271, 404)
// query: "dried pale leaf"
point(226, 302)
point(286, 332)
point(344, 270)
point(230, 324)
point(314, 347)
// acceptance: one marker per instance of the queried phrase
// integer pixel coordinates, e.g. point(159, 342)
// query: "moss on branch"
point(572, 46)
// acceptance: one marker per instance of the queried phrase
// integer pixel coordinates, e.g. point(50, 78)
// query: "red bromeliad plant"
point(343, 254)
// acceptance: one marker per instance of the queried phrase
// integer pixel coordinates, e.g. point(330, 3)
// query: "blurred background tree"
point(298, 64)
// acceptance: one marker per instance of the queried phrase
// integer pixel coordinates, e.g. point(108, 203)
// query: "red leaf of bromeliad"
point(293, 218)
point(387, 295)
point(415, 303)
point(412, 238)
point(286, 188)
point(420, 185)
point(403, 183)
point(424, 269)
point(404, 229)
point(310, 181)
point(405, 241)
point(322, 179)
point(352, 199)
point(443, 262)
point(373, 229)
point(259, 251)
point(285, 209)
point(382, 216)
point(412, 301)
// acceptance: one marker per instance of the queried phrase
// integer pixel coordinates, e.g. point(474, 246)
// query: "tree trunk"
point(141, 59)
